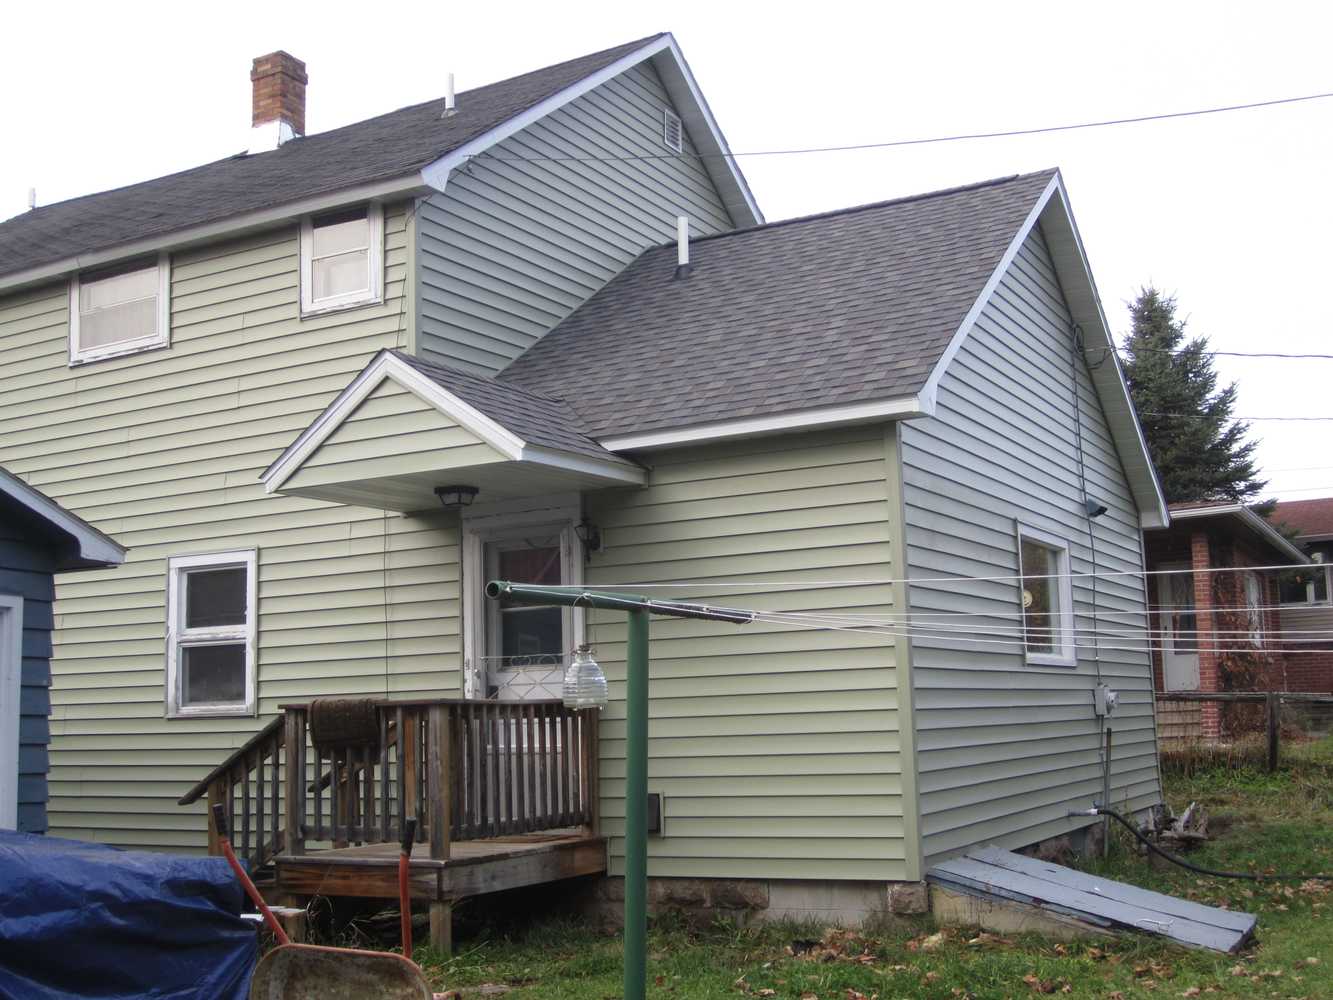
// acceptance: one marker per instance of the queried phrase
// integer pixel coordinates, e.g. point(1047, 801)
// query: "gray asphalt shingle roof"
point(537, 419)
point(849, 306)
point(383, 148)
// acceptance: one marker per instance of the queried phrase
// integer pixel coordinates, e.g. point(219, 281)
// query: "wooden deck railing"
point(465, 769)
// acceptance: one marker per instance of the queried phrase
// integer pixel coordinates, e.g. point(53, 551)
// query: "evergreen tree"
point(1200, 450)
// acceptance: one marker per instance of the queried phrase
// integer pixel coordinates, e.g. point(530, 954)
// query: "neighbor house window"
point(119, 311)
point(342, 259)
point(211, 622)
point(1046, 599)
point(1307, 585)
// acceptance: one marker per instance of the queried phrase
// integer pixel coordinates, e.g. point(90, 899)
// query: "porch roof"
point(1242, 521)
point(403, 427)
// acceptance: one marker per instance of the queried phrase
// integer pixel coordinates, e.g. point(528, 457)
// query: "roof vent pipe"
point(32, 199)
point(683, 265)
point(449, 109)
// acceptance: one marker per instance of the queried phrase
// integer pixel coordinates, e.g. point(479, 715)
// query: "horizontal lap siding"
point(25, 571)
point(1005, 749)
point(164, 451)
point(776, 747)
point(516, 242)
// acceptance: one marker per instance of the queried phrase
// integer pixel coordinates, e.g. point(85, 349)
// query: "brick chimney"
point(277, 111)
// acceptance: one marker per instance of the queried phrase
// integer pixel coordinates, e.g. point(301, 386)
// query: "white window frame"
point(1067, 655)
point(11, 721)
point(178, 635)
point(672, 120)
point(162, 338)
point(371, 295)
point(495, 523)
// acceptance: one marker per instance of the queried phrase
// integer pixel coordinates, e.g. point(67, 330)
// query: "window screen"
point(340, 255)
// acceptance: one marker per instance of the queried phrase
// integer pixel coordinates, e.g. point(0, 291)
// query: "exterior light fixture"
point(585, 684)
point(456, 497)
point(1094, 508)
point(589, 534)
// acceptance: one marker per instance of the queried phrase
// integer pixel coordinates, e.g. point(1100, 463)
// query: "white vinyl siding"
point(1006, 747)
point(520, 237)
point(164, 451)
point(121, 312)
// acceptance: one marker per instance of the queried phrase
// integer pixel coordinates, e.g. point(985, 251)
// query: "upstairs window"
point(211, 624)
point(119, 311)
point(342, 259)
point(1046, 599)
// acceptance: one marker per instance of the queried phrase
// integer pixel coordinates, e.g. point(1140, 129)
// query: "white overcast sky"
point(1230, 213)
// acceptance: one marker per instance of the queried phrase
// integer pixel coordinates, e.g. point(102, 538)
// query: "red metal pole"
point(220, 821)
point(404, 893)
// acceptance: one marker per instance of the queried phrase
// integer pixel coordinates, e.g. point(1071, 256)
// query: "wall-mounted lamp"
point(456, 497)
point(1093, 508)
point(590, 535)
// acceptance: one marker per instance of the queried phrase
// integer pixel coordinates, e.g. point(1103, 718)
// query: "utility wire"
point(1121, 353)
point(1231, 417)
point(925, 141)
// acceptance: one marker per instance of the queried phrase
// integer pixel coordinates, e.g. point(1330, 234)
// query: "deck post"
point(442, 926)
point(439, 788)
point(1274, 722)
point(294, 807)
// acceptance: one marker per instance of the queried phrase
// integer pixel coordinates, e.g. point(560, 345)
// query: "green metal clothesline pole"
point(638, 610)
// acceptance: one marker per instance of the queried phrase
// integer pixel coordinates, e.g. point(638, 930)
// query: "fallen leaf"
point(1193, 991)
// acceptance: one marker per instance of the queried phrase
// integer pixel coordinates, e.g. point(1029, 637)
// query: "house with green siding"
point(539, 331)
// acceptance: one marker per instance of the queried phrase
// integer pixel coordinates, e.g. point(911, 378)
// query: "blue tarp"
point(88, 921)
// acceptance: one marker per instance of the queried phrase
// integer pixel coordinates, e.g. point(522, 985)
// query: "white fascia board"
point(828, 416)
point(1256, 523)
point(569, 462)
point(234, 226)
point(94, 546)
point(436, 174)
point(387, 366)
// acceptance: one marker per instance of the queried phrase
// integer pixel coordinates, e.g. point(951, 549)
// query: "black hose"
point(1198, 868)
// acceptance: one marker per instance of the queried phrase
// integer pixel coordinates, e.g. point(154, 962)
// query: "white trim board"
point(11, 690)
point(825, 416)
point(679, 81)
point(205, 232)
point(94, 547)
point(388, 366)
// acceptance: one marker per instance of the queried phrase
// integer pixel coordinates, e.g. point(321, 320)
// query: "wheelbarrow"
point(313, 972)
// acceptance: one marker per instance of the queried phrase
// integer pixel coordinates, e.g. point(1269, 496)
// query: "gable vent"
point(673, 135)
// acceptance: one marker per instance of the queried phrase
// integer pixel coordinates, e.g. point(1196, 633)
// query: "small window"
point(1046, 599)
point(1307, 585)
point(119, 311)
point(673, 134)
point(211, 634)
point(342, 259)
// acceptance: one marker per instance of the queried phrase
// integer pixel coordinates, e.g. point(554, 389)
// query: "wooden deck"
point(474, 867)
point(502, 795)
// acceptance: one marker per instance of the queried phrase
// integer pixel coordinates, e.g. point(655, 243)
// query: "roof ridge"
point(868, 206)
point(245, 155)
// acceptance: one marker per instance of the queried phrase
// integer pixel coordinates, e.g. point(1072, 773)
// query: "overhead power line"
point(1223, 354)
point(925, 141)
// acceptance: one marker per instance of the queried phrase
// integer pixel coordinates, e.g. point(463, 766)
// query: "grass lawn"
point(1282, 822)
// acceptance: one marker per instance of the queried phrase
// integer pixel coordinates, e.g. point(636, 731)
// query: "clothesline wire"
point(997, 578)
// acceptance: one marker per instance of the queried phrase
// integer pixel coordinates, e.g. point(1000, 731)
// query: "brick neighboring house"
point(1217, 631)
point(1307, 596)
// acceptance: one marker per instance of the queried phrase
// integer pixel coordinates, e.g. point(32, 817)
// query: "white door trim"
point(11, 690)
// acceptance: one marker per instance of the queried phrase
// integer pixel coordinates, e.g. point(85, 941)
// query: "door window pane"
point(531, 635)
point(213, 674)
point(1182, 622)
point(215, 597)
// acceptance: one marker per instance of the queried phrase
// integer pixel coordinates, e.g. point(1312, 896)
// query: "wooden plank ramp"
point(1099, 903)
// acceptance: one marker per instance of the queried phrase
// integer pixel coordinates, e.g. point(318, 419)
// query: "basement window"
point(673, 133)
point(211, 626)
point(1046, 599)
point(342, 259)
point(117, 311)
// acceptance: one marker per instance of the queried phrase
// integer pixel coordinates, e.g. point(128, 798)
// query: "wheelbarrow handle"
point(224, 841)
